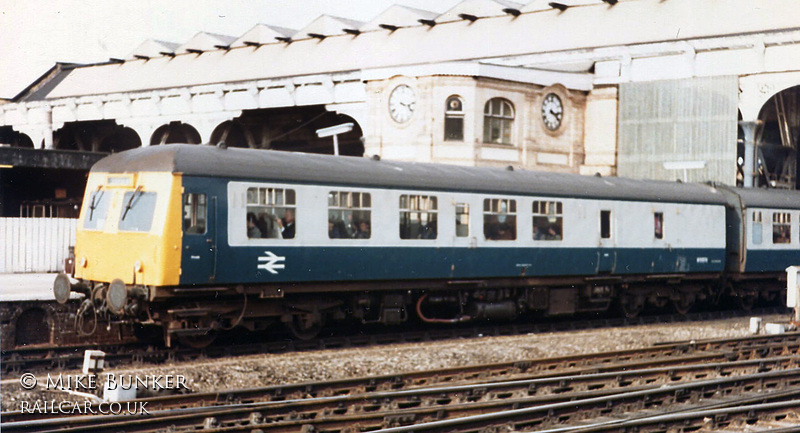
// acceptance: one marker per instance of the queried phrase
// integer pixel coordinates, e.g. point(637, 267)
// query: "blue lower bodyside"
point(307, 264)
point(771, 260)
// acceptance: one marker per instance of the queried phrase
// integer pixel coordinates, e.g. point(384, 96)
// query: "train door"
point(199, 238)
point(606, 254)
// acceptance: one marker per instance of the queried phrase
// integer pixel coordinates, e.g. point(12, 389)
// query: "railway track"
point(48, 358)
point(763, 371)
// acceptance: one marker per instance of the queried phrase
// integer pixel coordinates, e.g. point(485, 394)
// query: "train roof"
point(206, 160)
point(767, 198)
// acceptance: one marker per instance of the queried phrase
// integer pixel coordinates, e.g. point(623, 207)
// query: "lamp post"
point(335, 131)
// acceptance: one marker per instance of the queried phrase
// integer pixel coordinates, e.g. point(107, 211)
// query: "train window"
point(194, 213)
point(418, 217)
point(137, 211)
point(462, 220)
point(658, 225)
point(271, 213)
point(96, 212)
point(605, 224)
point(781, 228)
point(547, 220)
point(757, 228)
point(349, 215)
point(499, 219)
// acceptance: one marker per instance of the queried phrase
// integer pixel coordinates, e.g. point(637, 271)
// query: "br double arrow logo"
point(271, 262)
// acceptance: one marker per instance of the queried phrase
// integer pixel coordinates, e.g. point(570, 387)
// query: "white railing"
point(35, 244)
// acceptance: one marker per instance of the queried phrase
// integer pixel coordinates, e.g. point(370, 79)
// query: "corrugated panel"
point(35, 244)
point(679, 121)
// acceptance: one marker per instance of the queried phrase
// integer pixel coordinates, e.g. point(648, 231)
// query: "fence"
point(35, 244)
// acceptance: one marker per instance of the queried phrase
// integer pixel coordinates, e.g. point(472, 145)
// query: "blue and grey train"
point(195, 239)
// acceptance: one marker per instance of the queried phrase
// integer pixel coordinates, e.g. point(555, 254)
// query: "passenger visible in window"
point(505, 233)
point(288, 224)
point(428, 231)
point(269, 225)
point(780, 235)
point(350, 227)
point(334, 229)
point(252, 226)
point(363, 230)
point(553, 233)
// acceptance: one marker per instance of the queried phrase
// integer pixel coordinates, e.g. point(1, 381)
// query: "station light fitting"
point(223, 47)
point(429, 23)
point(141, 57)
point(389, 27)
point(469, 17)
point(194, 51)
point(512, 11)
point(116, 60)
point(251, 44)
point(283, 39)
point(167, 53)
point(6, 166)
point(317, 36)
point(354, 32)
point(560, 6)
point(611, 2)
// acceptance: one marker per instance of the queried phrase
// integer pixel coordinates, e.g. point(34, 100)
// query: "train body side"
point(692, 241)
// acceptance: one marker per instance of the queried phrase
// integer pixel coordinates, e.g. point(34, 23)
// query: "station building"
point(697, 90)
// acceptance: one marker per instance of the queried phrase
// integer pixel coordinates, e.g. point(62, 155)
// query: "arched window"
point(498, 119)
point(454, 119)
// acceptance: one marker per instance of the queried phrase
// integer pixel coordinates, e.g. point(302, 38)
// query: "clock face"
point(552, 111)
point(401, 103)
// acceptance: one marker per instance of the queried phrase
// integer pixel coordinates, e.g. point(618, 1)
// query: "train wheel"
point(631, 305)
point(684, 303)
point(306, 326)
point(746, 300)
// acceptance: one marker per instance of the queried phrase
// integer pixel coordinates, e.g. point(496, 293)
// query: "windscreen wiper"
point(129, 205)
point(95, 202)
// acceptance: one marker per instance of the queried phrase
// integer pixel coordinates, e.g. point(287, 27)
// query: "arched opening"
point(232, 133)
point(121, 139)
point(290, 129)
point(777, 139)
point(175, 132)
point(85, 136)
point(13, 138)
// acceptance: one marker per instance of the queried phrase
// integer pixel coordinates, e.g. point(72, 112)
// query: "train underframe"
point(194, 315)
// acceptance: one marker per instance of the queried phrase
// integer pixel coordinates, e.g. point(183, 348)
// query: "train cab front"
point(128, 240)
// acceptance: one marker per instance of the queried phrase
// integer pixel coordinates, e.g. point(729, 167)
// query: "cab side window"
point(194, 213)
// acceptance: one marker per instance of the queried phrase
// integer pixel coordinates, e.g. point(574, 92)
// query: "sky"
point(35, 34)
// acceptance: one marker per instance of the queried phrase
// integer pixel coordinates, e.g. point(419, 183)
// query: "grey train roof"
point(212, 161)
